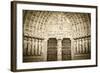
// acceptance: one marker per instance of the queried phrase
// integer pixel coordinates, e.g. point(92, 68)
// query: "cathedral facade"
point(56, 36)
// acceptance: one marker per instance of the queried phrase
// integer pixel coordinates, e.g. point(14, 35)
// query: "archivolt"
point(39, 23)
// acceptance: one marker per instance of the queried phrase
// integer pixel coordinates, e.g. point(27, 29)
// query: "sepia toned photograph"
point(47, 36)
point(56, 36)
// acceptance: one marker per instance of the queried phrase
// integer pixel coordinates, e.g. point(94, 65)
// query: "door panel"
point(66, 49)
point(52, 49)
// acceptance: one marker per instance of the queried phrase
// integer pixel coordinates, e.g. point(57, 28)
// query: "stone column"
point(36, 46)
point(32, 46)
point(83, 49)
point(44, 49)
point(86, 46)
point(72, 48)
point(25, 46)
point(39, 47)
point(29, 46)
point(59, 49)
point(80, 47)
point(77, 46)
point(87, 49)
point(89, 44)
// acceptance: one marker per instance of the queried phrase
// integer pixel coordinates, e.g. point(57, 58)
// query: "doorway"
point(66, 49)
point(52, 49)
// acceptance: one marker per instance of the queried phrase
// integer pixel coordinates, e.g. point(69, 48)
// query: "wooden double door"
point(52, 49)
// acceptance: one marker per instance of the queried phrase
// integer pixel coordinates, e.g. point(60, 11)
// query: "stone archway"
point(41, 25)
